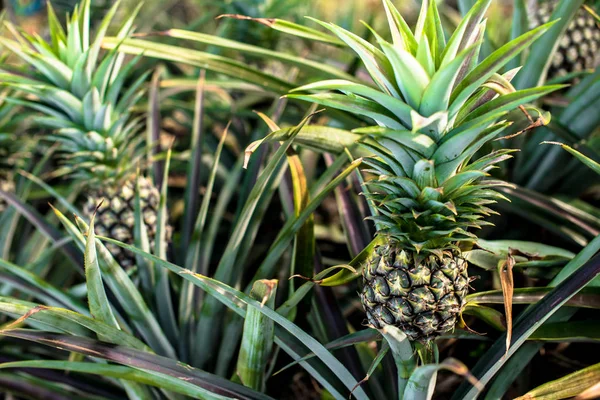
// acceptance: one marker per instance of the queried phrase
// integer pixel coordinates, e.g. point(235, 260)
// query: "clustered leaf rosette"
point(86, 97)
point(435, 105)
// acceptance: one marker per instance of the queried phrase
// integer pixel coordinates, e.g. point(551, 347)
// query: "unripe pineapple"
point(578, 47)
point(435, 107)
point(421, 294)
point(88, 106)
point(116, 218)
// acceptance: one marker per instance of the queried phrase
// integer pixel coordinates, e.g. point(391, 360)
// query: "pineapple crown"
point(435, 105)
point(81, 93)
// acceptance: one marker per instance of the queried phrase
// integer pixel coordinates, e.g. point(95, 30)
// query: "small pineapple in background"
point(434, 110)
point(116, 217)
point(578, 47)
point(88, 107)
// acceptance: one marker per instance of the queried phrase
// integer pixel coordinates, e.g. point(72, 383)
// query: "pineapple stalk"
point(86, 98)
point(435, 106)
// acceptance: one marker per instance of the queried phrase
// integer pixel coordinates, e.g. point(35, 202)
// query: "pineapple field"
point(287, 199)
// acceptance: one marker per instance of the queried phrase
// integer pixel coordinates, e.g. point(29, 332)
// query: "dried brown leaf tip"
point(461, 369)
point(19, 321)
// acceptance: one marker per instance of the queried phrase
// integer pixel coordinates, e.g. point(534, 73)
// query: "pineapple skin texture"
point(578, 46)
point(116, 216)
point(421, 294)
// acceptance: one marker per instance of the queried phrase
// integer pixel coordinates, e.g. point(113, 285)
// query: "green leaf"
point(489, 315)
point(491, 65)
point(396, 106)
point(571, 331)
point(520, 25)
point(257, 341)
point(374, 60)
point(461, 147)
point(291, 28)
point(574, 276)
point(355, 105)
point(422, 381)
point(209, 315)
point(193, 261)
point(66, 321)
point(303, 63)
point(236, 301)
point(424, 56)
point(45, 291)
point(212, 386)
point(288, 306)
point(140, 235)
point(163, 296)
point(58, 73)
point(404, 357)
point(593, 165)
point(292, 226)
point(568, 386)
point(159, 380)
point(510, 101)
point(401, 34)
point(411, 77)
point(98, 302)
point(437, 93)
point(501, 247)
point(349, 274)
point(315, 137)
point(303, 253)
point(465, 31)
point(434, 32)
point(200, 59)
point(418, 142)
point(586, 298)
point(125, 291)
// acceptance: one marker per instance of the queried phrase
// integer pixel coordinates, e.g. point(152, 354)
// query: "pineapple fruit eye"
point(577, 48)
point(421, 295)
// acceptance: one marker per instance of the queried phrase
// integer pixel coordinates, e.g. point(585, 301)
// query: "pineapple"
point(88, 107)
point(115, 217)
point(435, 106)
point(578, 46)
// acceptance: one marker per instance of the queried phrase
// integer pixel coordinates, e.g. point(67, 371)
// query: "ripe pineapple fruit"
point(88, 107)
point(435, 107)
point(578, 47)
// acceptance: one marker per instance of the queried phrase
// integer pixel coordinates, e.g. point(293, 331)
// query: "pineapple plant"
point(435, 105)
point(87, 98)
point(577, 49)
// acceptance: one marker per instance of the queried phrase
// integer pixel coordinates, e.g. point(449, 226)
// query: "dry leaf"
point(505, 270)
